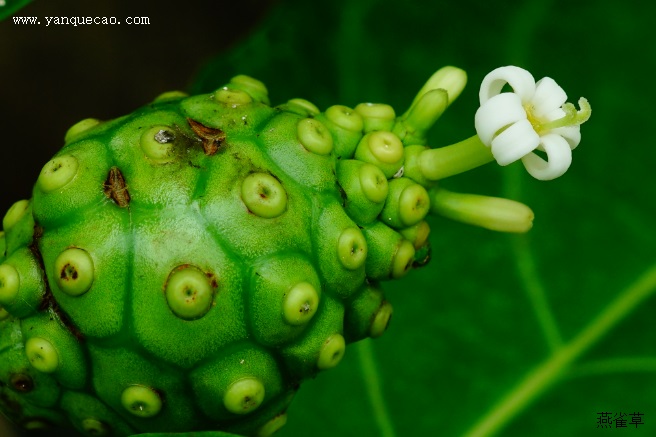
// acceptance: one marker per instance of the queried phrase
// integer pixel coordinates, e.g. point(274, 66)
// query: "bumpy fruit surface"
point(187, 266)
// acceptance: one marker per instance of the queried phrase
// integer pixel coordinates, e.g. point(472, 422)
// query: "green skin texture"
point(96, 272)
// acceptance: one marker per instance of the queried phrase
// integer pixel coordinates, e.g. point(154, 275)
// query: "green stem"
point(549, 371)
point(613, 365)
point(457, 158)
point(528, 275)
point(372, 385)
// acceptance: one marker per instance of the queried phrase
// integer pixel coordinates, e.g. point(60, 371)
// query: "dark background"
point(55, 76)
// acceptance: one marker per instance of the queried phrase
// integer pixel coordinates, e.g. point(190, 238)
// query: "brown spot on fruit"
point(212, 138)
point(68, 272)
point(21, 382)
point(116, 189)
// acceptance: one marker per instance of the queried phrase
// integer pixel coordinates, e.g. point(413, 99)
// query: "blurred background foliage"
point(490, 308)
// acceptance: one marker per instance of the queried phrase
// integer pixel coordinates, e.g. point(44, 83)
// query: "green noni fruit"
point(185, 267)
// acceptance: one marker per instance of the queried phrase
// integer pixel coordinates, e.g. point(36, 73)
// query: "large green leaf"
point(9, 7)
point(532, 335)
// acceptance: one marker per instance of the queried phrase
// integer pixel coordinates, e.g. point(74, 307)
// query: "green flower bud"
point(488, 212)
point(416, 122)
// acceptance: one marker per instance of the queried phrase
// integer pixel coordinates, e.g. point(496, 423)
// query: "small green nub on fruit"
point(417, 234)
point(9, 284)
point(403, 258)
point(244, 396)
point(381, 320)
point(264, 195)
point(157, 144)
point(80, 127)
point(386, 147)
point(414, 204)
point(14, 214)
point(57, 173)
point(141, 401)
point(376, 116)
point(74, 271)
point(373, 182)
point(170, 95)
point(189, 293)
point(253, 87)
point(272, 426)
point(42, 354)
point(301, 107)
point(4, 314)
point(300, 304)
point(232, 97)
point(96, 428)
point(382, 149)
point(331, 352)
point(407, 204)
point(36, 424)
point(314, 136)
point(352, 248)
point(345, 117)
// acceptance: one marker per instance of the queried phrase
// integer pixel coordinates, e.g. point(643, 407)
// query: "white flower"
point(534, 116)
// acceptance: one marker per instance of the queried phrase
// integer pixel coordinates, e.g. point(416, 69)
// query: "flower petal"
point(548, 96)
point(521, 81)
point(513, 143)
point(559, 157)
point(497, 113)
point(572, 135)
